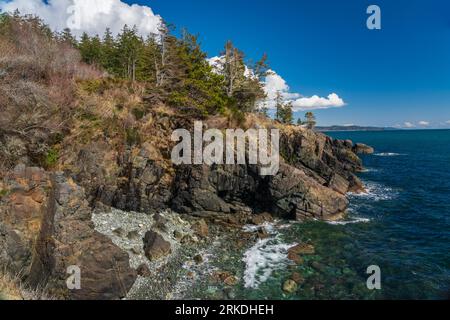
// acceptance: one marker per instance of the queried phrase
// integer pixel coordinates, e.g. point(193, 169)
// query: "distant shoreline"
point(353, 128)
point(373, 129)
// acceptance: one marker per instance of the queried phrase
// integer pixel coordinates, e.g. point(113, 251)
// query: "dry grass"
point(12, 288)
point(38, 78)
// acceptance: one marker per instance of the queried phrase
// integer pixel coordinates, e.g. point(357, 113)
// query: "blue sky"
point(399, 75)
point(387, 77)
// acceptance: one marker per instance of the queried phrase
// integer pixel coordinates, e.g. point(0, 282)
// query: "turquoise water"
point(402, 225)
point(408, 205)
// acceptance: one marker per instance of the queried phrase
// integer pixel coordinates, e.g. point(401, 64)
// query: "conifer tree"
point(66, 37)
point(310, 120)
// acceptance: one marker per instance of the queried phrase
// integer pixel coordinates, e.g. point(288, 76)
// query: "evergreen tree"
point(66, 37)
point(310, 120)
point(242, 86)
point(129, 46)
point(90, 49)
point(278, 106)
point(198, 85)
point(109, 59)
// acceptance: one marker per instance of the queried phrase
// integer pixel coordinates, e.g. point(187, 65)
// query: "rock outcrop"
point(315, 175)
point(45, 227)
point(361, 148)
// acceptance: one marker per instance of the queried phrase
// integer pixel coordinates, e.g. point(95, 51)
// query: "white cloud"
point(274, 83)
point(316, 102)
point(88, 16)
point(424, 123)
point(216, 63)
point(408, 125)
point(447, 122)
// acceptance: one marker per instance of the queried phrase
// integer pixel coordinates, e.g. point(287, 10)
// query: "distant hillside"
point(352, 128)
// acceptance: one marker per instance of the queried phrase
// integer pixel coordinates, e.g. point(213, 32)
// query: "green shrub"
point(133, 137)
point(51, 158)
point(3, 193)
point(138, 113)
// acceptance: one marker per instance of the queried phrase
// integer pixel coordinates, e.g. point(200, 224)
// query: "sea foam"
point(263, 259)
point(352, 220)
point(266, 256)
point(388, 154)
point(375, 192)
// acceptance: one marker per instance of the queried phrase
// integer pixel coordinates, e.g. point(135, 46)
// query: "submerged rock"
point(198, 259)
point(305, 249)
point(297, 278)
point(290, 286)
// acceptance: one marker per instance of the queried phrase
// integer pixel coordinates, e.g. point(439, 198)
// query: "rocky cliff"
point(74, 140)
point(45, 216)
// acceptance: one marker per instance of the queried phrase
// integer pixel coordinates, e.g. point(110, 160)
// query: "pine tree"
point(90, 49)
point(109, 59)
point(278, 106)
point(241, 84)
point(310, 120)
point(287, 114)
point(199, 86)
point(66, 37)
point(233, 69)
point(129, 46)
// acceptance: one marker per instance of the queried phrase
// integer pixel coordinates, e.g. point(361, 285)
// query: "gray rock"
point(155, 246)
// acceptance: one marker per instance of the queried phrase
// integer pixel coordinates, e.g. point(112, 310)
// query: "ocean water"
point(402, 225)
point(408, 203)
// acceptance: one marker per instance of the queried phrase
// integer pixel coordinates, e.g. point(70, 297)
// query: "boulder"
point(297, 278)
point(290, 286)
point(361, 148)
point(302, 249)
point(143, 271)
point(201, 228)
point(155, 246)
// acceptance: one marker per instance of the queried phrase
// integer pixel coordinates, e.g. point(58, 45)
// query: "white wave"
point(267, 226)
point(389, 154)
point(263, 259)
point(375, 192)
point(367, 170)
point(350, 221)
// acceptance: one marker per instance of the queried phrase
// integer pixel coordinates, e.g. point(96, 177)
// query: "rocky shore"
point(129, 216)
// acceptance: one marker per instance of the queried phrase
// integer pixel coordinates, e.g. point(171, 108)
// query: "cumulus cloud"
point(92, 17)
point(217, 64)
point(274, 84)
point(408, 125)
point(316, 102)
point(424, 123)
